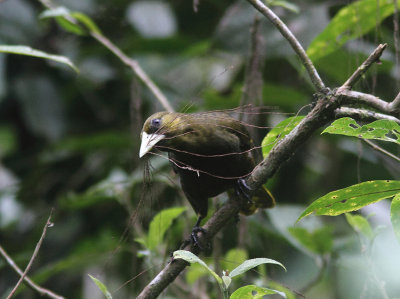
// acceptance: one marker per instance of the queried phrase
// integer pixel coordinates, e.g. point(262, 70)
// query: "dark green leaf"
point(352, 198)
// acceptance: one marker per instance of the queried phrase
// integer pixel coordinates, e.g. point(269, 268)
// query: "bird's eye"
point(155, 124)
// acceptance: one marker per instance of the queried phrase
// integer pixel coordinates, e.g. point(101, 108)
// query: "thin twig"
point(374, 57)
point(35, 252)
point(295, 44)
point(383, 151)
point(133, 64)
point(363, 114)
point(42, 291)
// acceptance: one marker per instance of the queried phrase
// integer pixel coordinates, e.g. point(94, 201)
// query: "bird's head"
point(157, 127)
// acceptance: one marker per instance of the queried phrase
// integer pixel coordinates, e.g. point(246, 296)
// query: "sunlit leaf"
point(319, 241)
point(395, 215)
point(386, 130)
point(160, 224)
point(252, 263)
point(351, 22)
point(254, 292)
point(28, 51)
point(101, 286)
point(277, 133)
point(192, 258)
point(352, 198)
point(360, 224)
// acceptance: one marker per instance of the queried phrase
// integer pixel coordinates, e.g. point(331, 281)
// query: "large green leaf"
point(160, 224)
point(351, 22)
point(386, 130)
point(352, 198)
point(277, 133)
point(395, 215)
point(28, 51)
point(252, 263)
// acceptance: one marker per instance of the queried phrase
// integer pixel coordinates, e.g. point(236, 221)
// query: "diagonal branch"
point(294, 43)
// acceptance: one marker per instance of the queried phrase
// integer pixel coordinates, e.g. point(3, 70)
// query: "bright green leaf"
point(160, 224)
point(386, 130)
point(28, 51)
point(101, 286)
point(192, 258)
point(277, 133)
point(360, 224)
point(254, 292)
point(395, 215)
point(351, 22)
point(252, 263)
point(352, 198)
point(87, 21)
point(319, 241)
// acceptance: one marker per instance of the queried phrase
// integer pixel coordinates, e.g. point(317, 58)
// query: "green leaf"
point(319, 241)
point(192, 258)
point(360, 224)
point(395, 215)
point(250, 264)
point(28, 51)
point(254, 292)
point(285, 4)
point(160, 224)
point(352, 198)
point(61, 12)
point(349, 23)
point(101, 286)
point(277, 133)
point(233, 258)
point(386, 130)
point(8, 142)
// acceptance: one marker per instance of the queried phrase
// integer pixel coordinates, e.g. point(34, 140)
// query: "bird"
point(211, 152)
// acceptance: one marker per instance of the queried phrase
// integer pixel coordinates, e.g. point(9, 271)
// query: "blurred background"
point(70, 142)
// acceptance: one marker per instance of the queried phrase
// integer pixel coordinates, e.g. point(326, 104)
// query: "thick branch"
point(294, 43)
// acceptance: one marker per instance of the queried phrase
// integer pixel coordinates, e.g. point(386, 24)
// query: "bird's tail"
point(261, 199)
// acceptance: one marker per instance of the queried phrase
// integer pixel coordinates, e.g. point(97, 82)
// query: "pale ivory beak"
point(148, 141)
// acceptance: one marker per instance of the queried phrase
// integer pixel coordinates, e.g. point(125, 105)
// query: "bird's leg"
point(197, 229)
point(243, 191)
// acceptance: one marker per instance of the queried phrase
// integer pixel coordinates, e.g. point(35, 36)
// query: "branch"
point(133, 64)
point(383, 151)
point(35, 252)
point(363, 114)
point(27, 280)
point(294, 43)
point(373, 57)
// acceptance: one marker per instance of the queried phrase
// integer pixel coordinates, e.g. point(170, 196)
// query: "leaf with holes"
point(352, 198)
point(395, 215)
point(386, 130)
point(277, 133)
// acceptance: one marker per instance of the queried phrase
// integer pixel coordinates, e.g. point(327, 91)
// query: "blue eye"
point(155, 124)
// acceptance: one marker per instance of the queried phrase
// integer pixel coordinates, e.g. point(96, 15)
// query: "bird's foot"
point(194, 238)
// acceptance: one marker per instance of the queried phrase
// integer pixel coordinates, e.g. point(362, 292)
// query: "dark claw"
point(243, 190)
point(193, 236)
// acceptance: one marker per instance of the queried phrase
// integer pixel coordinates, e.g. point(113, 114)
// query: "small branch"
point(374, 57)
point(357, 98)
point(383, 151)
point(35, 252)
point(133, 64)
point(295, 44)
point(363, 114)
point(395, 104)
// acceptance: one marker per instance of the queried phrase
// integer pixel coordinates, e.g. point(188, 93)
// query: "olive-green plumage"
point(211, 152)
